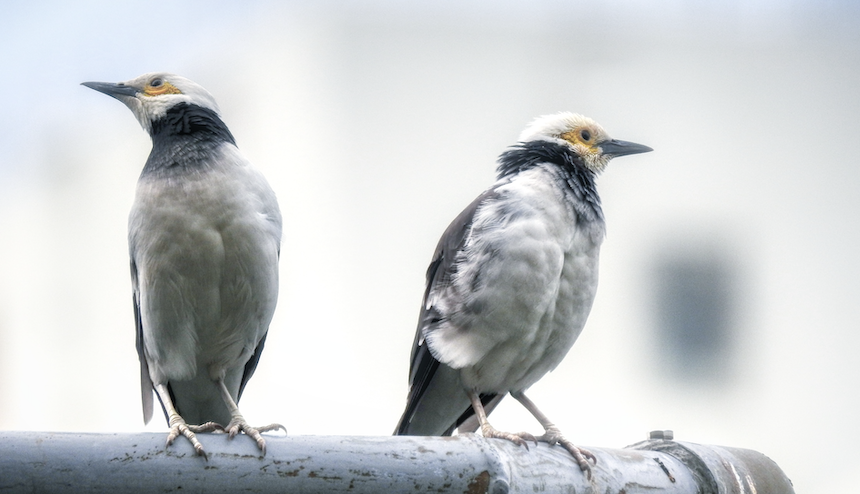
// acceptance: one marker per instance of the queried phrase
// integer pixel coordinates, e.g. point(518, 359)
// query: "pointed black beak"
point(111, 89)
point(616, 148)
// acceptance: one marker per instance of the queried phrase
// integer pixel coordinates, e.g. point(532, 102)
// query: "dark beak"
point(616, 148)
point(111, 89)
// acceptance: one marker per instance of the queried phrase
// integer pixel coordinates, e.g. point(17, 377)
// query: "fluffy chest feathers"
point(179, 201)
point(521, 284)
point(204, 242)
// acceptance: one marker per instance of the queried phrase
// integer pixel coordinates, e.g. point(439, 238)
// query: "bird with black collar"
point(511, 283)
point(204, 238)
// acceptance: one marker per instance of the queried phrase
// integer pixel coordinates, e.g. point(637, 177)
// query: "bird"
point(511, 283)
point(204, 236)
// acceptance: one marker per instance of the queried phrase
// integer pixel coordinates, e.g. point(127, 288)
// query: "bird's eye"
point(585, 135)
point(158, 86)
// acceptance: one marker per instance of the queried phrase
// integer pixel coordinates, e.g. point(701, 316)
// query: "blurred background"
point(726, 309)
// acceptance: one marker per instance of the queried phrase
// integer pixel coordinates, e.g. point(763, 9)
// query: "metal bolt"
point(664, 435)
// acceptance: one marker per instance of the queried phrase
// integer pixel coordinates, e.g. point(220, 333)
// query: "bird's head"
point(151, 95)
point(583, 135)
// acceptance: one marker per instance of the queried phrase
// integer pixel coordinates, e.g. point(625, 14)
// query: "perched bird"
point(204, 238)
point(512, 282)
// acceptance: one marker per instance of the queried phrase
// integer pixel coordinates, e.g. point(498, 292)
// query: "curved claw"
point(239, 424)
point(581, 456)
point(527, 437)
point(519, 438)
point(207, 427)
point(588, 454)
point(554, 436)
point(271, 427)
point(179, 427)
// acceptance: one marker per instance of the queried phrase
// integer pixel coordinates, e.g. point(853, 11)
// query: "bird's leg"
point(489, 431)
point(554, 436)
point(179, 426)
point(238, 423)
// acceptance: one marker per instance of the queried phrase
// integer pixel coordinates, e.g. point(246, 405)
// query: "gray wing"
point(251, 365)
point(146, 387)
point(437, 403)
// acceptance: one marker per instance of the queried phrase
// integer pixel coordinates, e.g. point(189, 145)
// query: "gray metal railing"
point(73, 462)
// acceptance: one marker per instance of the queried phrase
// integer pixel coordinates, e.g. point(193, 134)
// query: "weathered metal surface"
point(68, 462)
point(724, 470)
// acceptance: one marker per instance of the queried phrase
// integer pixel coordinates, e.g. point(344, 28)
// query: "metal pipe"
point(77, 462)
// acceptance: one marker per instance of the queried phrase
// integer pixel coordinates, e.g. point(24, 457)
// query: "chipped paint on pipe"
point(70, 462)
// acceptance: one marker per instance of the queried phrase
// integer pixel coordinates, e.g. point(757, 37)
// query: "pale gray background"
point(376, 123)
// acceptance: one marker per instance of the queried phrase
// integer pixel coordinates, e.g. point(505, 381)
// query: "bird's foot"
point(518, 438)
point(554, 436)
point(178, 427)
point(238, 424)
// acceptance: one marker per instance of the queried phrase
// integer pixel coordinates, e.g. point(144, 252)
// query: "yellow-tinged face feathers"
point(151, 95)
point(158, 86)
point(585, 139)
point(583, 135)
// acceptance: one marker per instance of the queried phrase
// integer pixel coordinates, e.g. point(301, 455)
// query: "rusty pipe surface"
point(76, 462)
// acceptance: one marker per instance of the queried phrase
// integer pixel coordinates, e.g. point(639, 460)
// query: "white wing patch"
point(508, 273)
